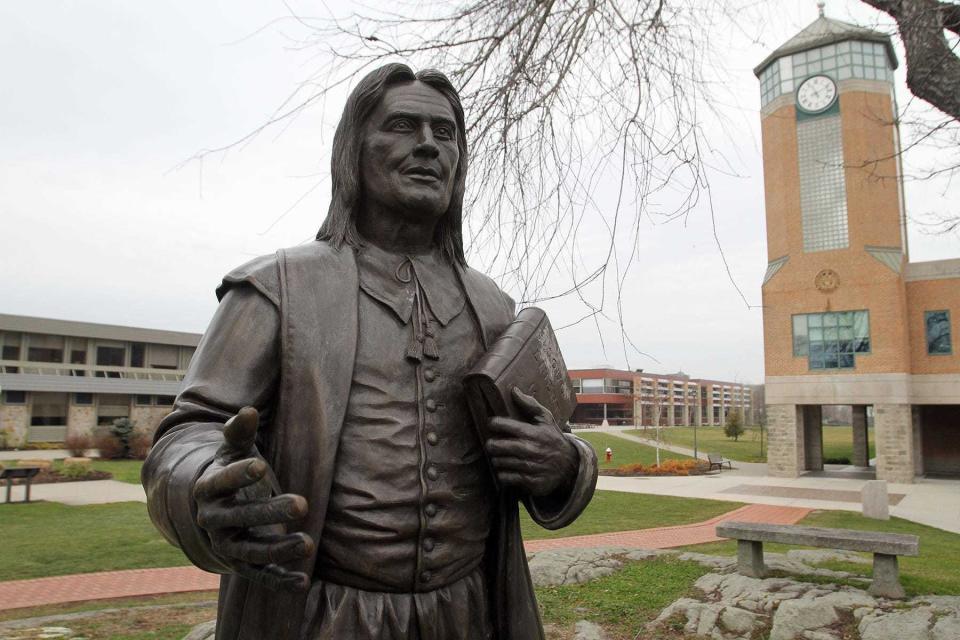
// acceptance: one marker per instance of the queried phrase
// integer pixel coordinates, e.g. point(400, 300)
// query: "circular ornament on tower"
point(816, 94)
point(827, 281)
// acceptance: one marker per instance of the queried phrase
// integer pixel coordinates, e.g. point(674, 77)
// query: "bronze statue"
point(333, 372)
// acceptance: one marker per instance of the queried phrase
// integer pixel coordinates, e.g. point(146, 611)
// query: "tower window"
point(831, 340)
point(938, 332)
point(823, 193)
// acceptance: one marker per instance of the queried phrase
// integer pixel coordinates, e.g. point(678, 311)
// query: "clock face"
point(816, 94)
point(827, 281)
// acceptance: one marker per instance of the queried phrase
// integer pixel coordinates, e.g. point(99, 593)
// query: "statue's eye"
point(401, 124)
point(443, 131)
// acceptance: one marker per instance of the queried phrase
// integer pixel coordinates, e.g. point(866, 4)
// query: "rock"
point(947, 628)
point(587, 630)
point(576, 566)
point(723, 563)
point(898, 624)
point(203, 631)
point(794, 617)
point(739, 621)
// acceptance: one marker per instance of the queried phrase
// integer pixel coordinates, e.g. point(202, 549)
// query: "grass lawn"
point(48, 539)
point(122, 470)
point(712, 440)
point(624, 601)
point(625, 451)
point(837, 441)
point(619, 511)
point(933, 571)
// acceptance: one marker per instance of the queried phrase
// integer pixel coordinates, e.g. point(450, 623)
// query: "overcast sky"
point(101, 100)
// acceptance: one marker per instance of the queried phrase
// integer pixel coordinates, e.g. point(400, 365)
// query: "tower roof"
point(824, 31)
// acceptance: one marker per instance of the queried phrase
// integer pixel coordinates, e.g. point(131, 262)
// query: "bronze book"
point(526, 356)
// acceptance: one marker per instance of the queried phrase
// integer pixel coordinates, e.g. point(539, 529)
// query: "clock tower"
point(834, 293)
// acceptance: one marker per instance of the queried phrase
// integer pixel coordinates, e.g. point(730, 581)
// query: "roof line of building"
point(77, 329)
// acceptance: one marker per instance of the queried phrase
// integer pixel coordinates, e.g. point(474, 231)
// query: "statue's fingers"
point(267, 549)
point(230, 479)
point(279, 510)
point(511, 479)
point(240, 432)
point(530, 407)
point(275, 577)
point(511, 447)
point(520, 465)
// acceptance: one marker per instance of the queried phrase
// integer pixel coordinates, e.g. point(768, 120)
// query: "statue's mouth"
point(423, 173)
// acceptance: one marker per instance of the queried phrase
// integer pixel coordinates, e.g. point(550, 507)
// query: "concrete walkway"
point(80, 493)
point(933, 502)
point(18, 594)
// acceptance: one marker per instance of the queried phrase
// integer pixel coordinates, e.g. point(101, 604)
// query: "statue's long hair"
point(340, 227)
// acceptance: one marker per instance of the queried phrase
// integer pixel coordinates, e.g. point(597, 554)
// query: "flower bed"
point(666, 468)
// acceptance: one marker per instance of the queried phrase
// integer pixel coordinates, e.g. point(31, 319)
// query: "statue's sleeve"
point(234, 366)
point(561, 508)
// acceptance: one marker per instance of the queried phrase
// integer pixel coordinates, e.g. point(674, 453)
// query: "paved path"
point(17, 594)
point(678, 536)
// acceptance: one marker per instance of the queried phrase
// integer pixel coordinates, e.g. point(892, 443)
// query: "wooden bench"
point(717, 461)
point(12, 473)
point(885, 547)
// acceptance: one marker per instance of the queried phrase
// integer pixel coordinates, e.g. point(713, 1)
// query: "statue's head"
point(427, 180)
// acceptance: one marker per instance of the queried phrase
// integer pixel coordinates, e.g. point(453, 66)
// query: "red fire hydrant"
point(609, 453)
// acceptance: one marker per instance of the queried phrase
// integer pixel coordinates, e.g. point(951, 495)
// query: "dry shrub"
point(77, 444)
point(140, 444)
point(109, 445)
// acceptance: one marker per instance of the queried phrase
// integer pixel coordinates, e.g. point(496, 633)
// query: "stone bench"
point(885, 548)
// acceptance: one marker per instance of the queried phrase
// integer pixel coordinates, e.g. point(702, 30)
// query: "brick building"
point(59, 376)
point(644, 399)
point(848, 319)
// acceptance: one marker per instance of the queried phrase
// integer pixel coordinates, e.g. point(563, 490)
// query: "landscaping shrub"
point(108, 444)
point(733, 428)
point(76, 470)
point(840, 460)
point(140, 444)
point(77, 444)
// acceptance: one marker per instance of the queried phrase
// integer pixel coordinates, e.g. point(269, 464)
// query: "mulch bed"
point(50, 476)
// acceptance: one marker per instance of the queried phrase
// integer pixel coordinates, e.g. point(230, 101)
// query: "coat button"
point(428, 544)
point(430, 510)
point(431, 405)
point(432, 438)
point(432, 472)
point(429, 375)
point(426, 576)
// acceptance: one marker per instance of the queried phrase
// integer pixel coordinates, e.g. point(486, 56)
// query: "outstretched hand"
point(245, 522)
point(533, 456)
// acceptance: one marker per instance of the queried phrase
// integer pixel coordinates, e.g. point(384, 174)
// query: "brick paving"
point(17, 594)
point(678, 536)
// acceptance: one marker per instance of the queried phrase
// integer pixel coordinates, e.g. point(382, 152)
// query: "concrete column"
point(697, 415)
point(861, 448)
point(686, 413)
point(813, 437)
point(917, 415)
point(893, 431)
point(81, 419)
point(670, 410)
point(784, 440)
point(14, 421)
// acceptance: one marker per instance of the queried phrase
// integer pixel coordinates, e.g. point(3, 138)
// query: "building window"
point(43, 348)
point(110, 356)
point(938, 332)
point(83, 398)
point(14, 397)
point(138, 352)
point(11, 347)
point(164, 356)
point(165, 401)
point(593, 385)
point(831, 340)
point(49, 410)
point(144, 400)
point(112, 407)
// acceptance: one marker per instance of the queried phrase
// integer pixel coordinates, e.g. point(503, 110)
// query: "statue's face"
point(410, 153)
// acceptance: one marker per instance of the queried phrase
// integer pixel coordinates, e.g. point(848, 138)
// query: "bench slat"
point(895, 544)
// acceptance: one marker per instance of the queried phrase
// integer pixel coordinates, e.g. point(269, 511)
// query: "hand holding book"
point(533, 456)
